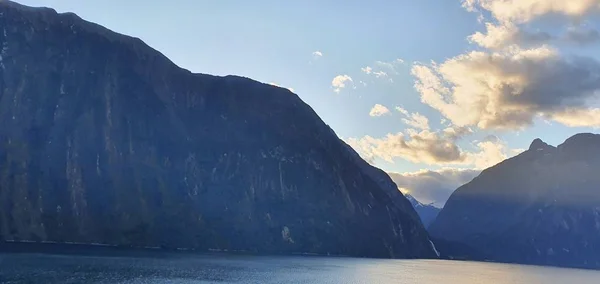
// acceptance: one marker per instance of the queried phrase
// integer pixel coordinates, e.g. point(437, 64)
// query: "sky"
point(431, 91)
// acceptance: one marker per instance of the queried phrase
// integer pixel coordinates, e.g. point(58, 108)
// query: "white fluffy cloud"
point(339, 82)
point(512, 17)
point(522, 11)
point(433, 186)
point(501, 36)
point(317, 54)
point(402, 110)
point(508, 89)
point(367, 69)
point(379, 110)
point(417, 120)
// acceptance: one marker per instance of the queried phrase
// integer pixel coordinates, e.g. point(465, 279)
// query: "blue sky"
point(275, 42)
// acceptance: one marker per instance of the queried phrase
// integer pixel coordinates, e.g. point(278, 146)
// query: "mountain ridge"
point(539, 207)
point(105, 140)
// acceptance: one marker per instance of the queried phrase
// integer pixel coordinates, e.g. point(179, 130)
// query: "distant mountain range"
point(105, 140)
point(540, 207)
point(427, 212)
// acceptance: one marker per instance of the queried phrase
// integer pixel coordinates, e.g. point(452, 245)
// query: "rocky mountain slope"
point(540, 207)
point(427, 212)
point(104, 140)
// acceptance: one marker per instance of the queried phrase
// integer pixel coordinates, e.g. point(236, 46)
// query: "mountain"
point(104, 140)
point(540, 207)
point(427, 212)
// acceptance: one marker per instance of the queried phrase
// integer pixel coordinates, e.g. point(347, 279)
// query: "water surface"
point(190, 268)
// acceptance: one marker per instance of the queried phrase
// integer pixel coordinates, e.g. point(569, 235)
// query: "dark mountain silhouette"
point(104, 140)
point(540, 207)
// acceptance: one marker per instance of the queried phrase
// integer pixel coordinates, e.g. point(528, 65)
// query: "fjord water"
point(183, 268)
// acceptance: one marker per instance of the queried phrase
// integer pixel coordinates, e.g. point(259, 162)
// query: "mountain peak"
point(538, 144)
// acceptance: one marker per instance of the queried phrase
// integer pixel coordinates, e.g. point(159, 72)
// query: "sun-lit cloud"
point(500, 36)
point(576, 117)
point(402, 110)
point(380, 74)
point(419, 147)
point(379, 110)
point(433, 186)
point(317, 54)
point(340, 81)
point(490, 153)
point(417, 120)
point(414, 120)
point(437, 148)
point(383, 69)
point(522, 11)
point(508, 89)
point(511, 19)
point(390, 66)
point(277, 85)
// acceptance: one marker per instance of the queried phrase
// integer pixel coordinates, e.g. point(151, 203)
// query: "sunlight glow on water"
point(45, 268)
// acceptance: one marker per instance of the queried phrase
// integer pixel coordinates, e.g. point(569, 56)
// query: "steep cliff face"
point(104, 140)
point(540, 207)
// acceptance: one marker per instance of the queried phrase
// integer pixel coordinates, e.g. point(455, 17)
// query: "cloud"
point(433, 186)
point(417, 120)
point(379, 110)
point(576, 117)
point(490, 153)
point(390, 66)
point(508, 89)
point(402, 110)
point(501, 36)
point(317, 54)
point(582, 36)
point(380, 74)
point(383, 69)
point(523, 11)
point(277, 85)
point(340, 81)
point(418, 147)
point(432, 148)
point(455, 132)
point(512, 17)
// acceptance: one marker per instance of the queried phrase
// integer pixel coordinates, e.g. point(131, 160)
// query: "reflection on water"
point(163, 268)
